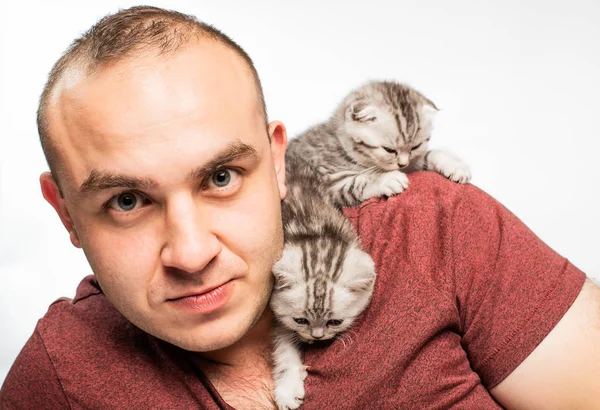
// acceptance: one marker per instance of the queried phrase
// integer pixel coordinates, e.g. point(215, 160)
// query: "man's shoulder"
point(88, 293)
point(84, 351)
point(412, 232)
point(88, 329)
point(424, 187)
point(429, 198)
point(73, 347)
point(70, 323)
point(415, 232)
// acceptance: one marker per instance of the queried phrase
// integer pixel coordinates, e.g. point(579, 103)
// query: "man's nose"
point(190, 242)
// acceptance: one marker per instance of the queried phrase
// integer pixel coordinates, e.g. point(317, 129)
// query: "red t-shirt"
point(465, 292)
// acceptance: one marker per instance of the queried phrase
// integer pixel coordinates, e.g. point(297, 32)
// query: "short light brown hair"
point(120, 35)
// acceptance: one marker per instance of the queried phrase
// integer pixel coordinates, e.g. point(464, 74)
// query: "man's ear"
point(278, 136)
point(52, 194)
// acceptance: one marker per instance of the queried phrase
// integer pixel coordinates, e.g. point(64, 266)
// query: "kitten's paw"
point(289, 391)
point(389, 184)
point(393, 182)
point(289, 396)
point(304, 372)
point(451, 167)
point(459, 173)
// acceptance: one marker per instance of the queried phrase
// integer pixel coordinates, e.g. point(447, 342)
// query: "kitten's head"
point(319, 292)
point(385, 124)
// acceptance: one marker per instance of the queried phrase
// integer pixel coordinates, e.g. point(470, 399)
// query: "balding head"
point(126, 35)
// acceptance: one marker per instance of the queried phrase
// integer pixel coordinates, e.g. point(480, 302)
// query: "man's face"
point(173, 191)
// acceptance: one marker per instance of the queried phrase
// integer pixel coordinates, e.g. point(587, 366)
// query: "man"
point(166, 173)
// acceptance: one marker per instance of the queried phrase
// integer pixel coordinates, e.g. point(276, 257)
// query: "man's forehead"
point(201, 58)
point(202, 87)
point(205, 67)
point(202, 75)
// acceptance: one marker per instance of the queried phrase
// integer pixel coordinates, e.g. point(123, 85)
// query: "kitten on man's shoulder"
point(378, 133)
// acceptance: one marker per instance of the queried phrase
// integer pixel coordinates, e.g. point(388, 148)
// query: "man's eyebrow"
point(234, 151)
point(100, 180)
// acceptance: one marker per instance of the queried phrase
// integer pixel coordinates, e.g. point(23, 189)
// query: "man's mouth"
point(205, 301)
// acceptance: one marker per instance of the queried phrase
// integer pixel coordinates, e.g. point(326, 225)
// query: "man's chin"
point(222, 333)
point(208, 339)
point(211, 344)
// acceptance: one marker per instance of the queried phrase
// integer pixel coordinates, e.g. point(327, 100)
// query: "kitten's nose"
point(403, 160)
point(317, 332)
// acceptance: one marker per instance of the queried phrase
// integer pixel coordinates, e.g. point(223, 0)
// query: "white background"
point(518, 83)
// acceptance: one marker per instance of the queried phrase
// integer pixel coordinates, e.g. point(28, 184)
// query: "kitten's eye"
point(390, 150)
point(416, 147)
point(301, 320)
point(334, 322)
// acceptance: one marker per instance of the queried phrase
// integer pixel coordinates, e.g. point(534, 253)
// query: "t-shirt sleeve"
point(32, 382)
point(511, 288)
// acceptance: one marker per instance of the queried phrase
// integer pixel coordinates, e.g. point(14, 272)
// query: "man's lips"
point(205, 301)
point(197, 292)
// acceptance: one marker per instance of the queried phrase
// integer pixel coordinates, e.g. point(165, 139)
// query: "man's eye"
point(301, 320)
point(126, 201)
point(223, 177)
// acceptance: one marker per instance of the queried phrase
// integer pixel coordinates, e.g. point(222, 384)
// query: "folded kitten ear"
point(429, 110)
point(359, 271)
point(288, 269)
point(283, 280)
point(361, 111)
point(361, 285)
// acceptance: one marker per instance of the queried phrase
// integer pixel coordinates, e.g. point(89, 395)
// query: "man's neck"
point(255, 345)
point(241, 373)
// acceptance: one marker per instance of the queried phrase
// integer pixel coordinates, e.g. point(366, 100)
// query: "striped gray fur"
point(322, 282)
point(323, 236)
point(378, 130)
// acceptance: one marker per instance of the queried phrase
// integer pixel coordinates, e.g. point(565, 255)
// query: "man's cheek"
point(255, 228)
point(123, 257)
